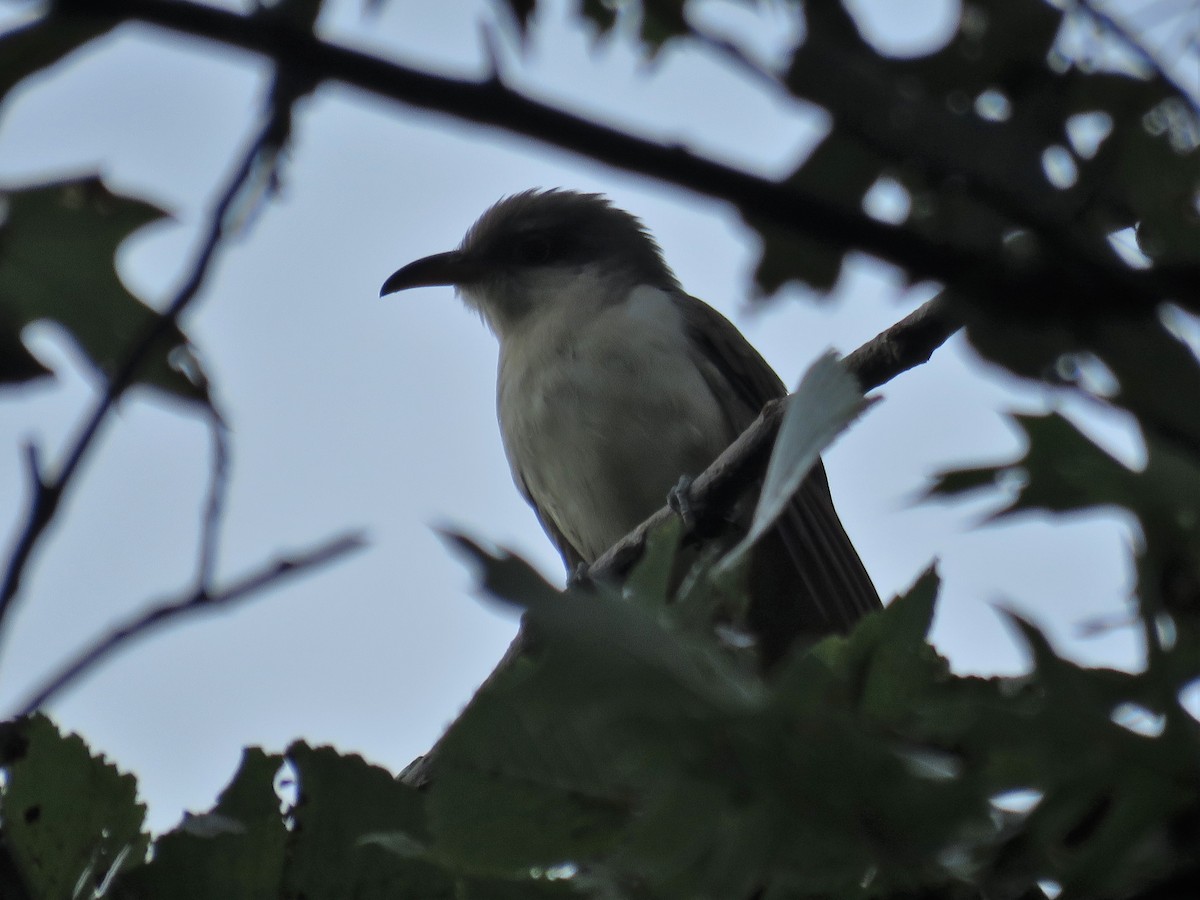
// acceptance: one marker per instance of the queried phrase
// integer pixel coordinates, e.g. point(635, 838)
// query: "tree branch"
point(903, 346)
point(47, 491)
point(199, 600)
point(1032, 284)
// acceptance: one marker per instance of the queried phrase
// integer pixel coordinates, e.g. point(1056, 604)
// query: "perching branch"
point(47, 491)
point(1104, 281)
point(199, 600)
point(906, 345)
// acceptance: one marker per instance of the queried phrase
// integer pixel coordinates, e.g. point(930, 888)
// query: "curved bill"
point(452, 268)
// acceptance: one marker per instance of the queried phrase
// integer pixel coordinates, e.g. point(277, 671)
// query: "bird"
point(614, 383)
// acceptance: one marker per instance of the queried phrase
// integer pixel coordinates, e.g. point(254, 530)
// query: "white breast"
point(602, 410)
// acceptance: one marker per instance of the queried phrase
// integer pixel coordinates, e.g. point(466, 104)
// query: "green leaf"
point(236, 851)
point(958, 482)
point(251, 796)
point(556, 749)
point(601, 13)
point(791, 256)
point(1150, 170)
point(649, 584)
point(521, 11)
point(828, 399)
point(491, 823)
point(838, 172)
point(662, 20)
point(522, 784)
point(834, 173)
point(503, 575)
point(1063, 471)
point(603, 646)
point(879, 668)
point(17, 364)
point(68, 817)
point(1164, 395)
point(345, 806)
point(57, 247)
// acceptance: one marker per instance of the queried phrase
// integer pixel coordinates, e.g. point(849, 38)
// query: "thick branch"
point(199, 600)
point(1105, 283)
point(907, 344)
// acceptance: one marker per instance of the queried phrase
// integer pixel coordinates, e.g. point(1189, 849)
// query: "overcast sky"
point(353, 412)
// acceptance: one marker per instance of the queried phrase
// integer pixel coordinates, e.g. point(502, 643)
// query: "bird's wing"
point(723, 352)
point(572, 558)
point(832, 589)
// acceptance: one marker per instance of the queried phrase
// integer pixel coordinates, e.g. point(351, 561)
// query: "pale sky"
point(353, 412)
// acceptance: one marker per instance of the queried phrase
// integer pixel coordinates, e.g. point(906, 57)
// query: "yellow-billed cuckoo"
point(613, 383)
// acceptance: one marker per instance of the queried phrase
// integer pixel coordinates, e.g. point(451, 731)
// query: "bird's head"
point(541, 248)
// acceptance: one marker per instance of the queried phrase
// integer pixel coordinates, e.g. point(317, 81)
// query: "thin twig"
point(197, 601)
point(47, 492)
point(1134, 45)
point(903, 346)
point(214, 504)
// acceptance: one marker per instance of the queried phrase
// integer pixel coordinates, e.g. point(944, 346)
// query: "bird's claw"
point(679, 498)
point(580, 576)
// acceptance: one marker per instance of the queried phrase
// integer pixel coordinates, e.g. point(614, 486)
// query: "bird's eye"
point(534, 250)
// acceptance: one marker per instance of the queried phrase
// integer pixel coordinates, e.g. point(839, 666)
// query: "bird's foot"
point(580, 577)
point(679, 498)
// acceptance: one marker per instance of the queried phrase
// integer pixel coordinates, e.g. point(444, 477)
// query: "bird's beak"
point(442, 268)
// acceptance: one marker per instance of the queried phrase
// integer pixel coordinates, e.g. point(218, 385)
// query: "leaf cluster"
point(632, 753)
point(1015, 154)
